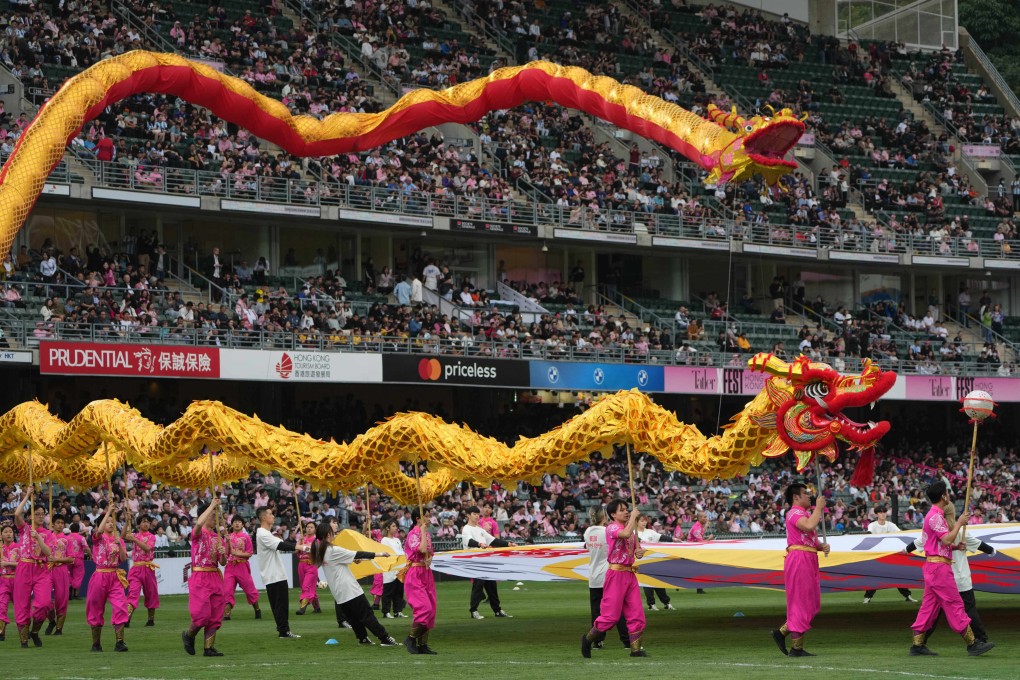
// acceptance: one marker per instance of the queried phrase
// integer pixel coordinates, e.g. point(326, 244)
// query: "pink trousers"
point(239, 574)
point(377, 585)
point(77, 573)
point(308, 574)
point(205, 600)
point(803, 590)
point(61, 588)
point(103, 588)
point(32, 592)
point(420, 593)
point(141, 580)
point(940, 592)
point(621, 596)
point(6, 595)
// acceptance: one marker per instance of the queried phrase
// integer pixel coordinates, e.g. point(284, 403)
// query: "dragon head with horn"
point(809, 399)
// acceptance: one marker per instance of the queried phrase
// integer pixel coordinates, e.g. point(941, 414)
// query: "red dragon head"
point(809, 400)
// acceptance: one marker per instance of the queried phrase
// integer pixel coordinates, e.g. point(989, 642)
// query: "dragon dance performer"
point(107, 584)
point(8, 565)
point(393, 589)
point(377, 579)
point(621, 594)
point(205, 586)
point(347, 593)
point(651, 536)
point(78, 548)
point(60, 561)
point(474, 536)
point(419, 584)
point(697, 534)
point(142, 575)
point(940, 590)
point(32, 582)
point(800, 569)
point(598, 565)
point(308, 573)
point(961, 573)
point(878, 527)
point(238, 571)
point(271, 569)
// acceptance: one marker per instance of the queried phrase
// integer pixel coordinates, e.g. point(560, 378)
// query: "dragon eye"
point(748, 128)
point(818, 390)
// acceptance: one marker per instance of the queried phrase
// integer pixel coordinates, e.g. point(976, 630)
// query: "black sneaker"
point(411, 644)
point(598, 645)
point(388, 642)
point(800, 652)
point(301, 611)
point(289, 635)
point(921, 650)
point(502, 615)
point(189, 642)
point(24, 645)
point(639, 652)
point(258, 613)
point(127, 624)
point(425, 649)
point(976, 649)
point(95, 648)
point(150, 623)
point(211, 651)
point(3, 636)
point(226, 617)
point(38, 642)
point(120, 646)
point(780, 641)
point(585, 646)
point(58, 631)
point(365, 641)
point(50, 627)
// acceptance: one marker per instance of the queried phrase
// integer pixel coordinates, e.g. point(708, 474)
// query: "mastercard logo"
point(429, 369)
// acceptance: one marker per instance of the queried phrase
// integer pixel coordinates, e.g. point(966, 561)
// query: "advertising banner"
point(566, 375)
point(142, 361)
point(454, 370)
point(301, 366)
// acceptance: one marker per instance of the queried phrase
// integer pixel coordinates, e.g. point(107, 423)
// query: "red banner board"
point(78, 358)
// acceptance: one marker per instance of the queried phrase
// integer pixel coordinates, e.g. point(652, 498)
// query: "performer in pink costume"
point(940, 591)
point(32, 583)
point(142, 575)
point(8, 564)
point(205, 586)
point(697, 535)
point(800, 570)
point(419, 584)
point(107, 584)
point(308, 573)
point(620, 594)
point(238, 570)
point(377, 581)
point(78, 548)
point(60, 563)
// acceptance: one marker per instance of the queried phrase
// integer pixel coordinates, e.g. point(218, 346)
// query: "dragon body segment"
point(800, 408)
point(730, 149)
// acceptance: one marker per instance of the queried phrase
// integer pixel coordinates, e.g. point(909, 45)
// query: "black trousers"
point(277, 595)
point(393, 597)
point(595, 599)
point(650, 594)
point(480, 589)
point(905, 592)
point(969, 606)
point(362, 619)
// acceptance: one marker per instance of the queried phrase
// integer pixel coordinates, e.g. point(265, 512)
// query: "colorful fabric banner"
point(857, 562)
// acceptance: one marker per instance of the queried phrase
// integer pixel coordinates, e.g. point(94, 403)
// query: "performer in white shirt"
point(474, 536)
point(646, 535)
point(881, 526)
point(598, 565)
point(961, 574)
point(267, 551)
point(393, 589)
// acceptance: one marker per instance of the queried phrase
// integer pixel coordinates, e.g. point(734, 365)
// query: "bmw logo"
point(598, 376)
point(642, 378)
point(553, 374)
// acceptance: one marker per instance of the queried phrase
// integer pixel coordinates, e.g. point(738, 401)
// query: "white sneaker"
point(387, 615)
point(290, 636)
point(867, 600)
point(670, 607)
point(401, 615)
point(388, 642)
point(502, 615)
point(652, 608)
point(910, 598)
point(476, 615)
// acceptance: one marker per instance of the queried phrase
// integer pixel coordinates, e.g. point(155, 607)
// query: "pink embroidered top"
point(932, 531)
point(9, 553)
point(795, 536)
point(239, 541)
point(29, 549)
point(205, 549)
point(76, 548)
point(106, 551)
point(139, 554)
point(697, 533)
point(306, 557)
point(59, 545)
point(621, 550)
point(415, 549)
